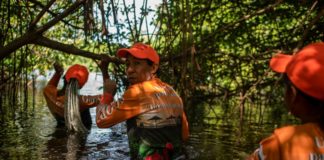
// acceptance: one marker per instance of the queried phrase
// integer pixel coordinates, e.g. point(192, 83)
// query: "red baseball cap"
point(140, 51)
point(79, 72)
point(305, 69)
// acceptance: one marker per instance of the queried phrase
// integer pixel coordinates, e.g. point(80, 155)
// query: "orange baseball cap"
point(79, 72)
point(140, 51)
point(305, 69)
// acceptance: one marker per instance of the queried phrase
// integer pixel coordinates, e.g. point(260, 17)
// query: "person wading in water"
point(154, 114)
point(304, 98)
point(67, 100)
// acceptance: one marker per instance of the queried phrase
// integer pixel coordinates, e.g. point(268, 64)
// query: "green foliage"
point(233, 41)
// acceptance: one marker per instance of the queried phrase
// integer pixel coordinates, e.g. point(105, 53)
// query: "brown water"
point(34, 135)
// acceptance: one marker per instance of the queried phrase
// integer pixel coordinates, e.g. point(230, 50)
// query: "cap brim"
point(122, 53)
point(279, 62)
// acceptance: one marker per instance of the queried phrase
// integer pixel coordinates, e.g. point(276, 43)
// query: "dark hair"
point(311, 100)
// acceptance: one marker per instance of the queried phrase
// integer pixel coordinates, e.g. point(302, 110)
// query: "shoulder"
point(145, 88)
point(284, 138)
point(288, 133)
point(133, 91)
point(280, 134)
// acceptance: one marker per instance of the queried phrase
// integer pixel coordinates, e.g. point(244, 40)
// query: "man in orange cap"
point(153, 111)
point(56, 99)
point(304, 98)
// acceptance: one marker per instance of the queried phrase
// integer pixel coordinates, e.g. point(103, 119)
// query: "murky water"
point(35, 136)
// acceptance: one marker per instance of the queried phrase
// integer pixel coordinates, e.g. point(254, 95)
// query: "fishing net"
point(72, 116)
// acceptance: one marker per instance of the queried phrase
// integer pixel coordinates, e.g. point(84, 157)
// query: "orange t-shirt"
point(298, 142)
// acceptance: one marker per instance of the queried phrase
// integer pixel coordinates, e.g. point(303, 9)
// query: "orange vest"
point(293, 143)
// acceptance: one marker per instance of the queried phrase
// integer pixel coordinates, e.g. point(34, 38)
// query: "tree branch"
point(53, 14)
point(70, 49)
point(31, 36)
point(58, 18)
point(309, 27)
point(27, 38)
point(39, 16)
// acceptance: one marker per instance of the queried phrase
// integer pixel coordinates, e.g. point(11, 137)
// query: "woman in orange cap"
point(304, 98)
point(153, 111)
point(56, 99)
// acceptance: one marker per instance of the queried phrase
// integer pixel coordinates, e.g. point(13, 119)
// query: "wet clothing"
point(156, 122)
point(299, 142)
point(56, 103)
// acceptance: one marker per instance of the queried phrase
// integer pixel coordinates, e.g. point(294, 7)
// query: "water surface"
point(33, 134)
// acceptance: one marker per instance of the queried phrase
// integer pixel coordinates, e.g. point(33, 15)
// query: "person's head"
point(142, 62)
point(78, 72)
point(304, 74)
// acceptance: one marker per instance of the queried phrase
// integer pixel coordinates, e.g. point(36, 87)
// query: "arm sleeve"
point(92, 101)
point(108, 115)
point(89, 101)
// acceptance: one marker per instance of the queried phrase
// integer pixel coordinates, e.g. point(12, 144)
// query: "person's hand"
point(110, 86)
point(103, 64)
point(58, 68)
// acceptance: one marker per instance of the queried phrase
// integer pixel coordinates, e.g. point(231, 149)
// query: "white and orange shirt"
point(153, 112)
point(300, 142)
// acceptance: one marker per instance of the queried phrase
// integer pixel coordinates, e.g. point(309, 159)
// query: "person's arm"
point(89, 101)
point(54, 103)
point(57, 75)
point(109, 86)
point(109, 114)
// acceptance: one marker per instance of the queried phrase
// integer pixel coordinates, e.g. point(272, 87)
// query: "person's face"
point(299, 107)
point(138, 70)
point(289, 97)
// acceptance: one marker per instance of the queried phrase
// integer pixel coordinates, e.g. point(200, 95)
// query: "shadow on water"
point(33, 134)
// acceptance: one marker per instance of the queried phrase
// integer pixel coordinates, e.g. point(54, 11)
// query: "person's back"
point(297, 142)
